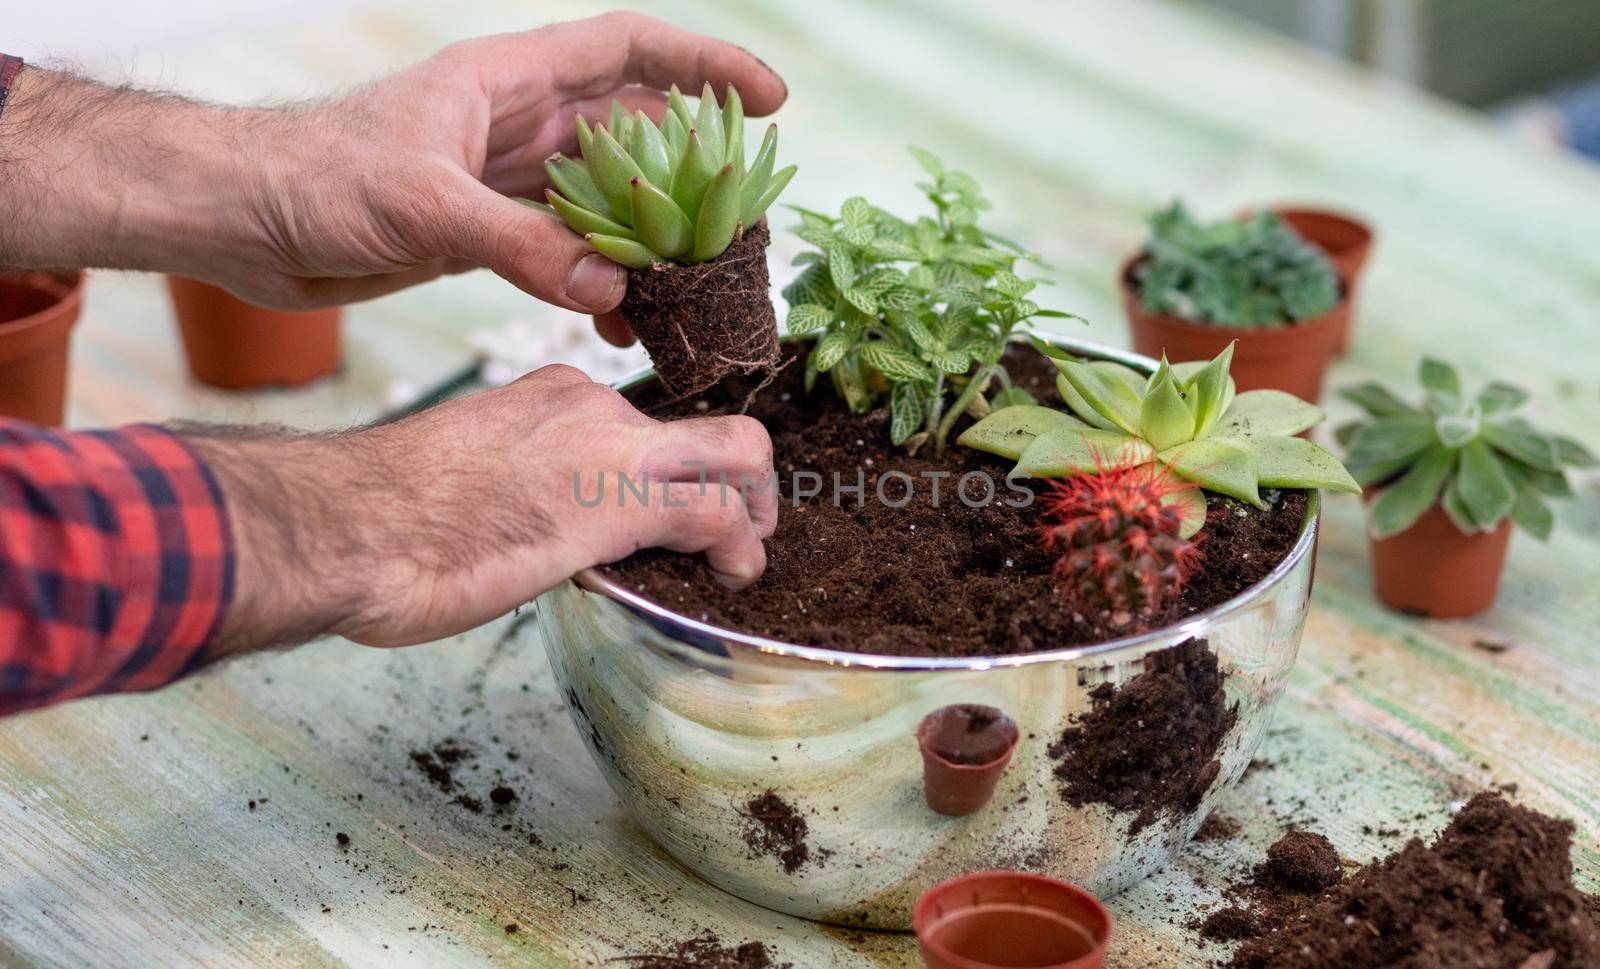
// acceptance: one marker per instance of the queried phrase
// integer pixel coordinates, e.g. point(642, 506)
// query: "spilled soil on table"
point(1149, 746)
point(937, 577)
point(705, 951)
point(1495, 889)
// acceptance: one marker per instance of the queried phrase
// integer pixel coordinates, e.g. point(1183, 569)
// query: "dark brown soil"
point(1494, 890)
point(936, 577)
point(1300, 866)
point(1149, 746)
point(968, 733)
point(773, 827)
point(438, 763)
point(1216, 828)
point(1302, 860)
point(706, 951)
point(703, 322)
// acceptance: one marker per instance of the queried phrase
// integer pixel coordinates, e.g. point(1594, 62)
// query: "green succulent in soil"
point(1186, 419)
point(913, 310)
point(679, 192)
point(1251, 272)
point(1468, 453)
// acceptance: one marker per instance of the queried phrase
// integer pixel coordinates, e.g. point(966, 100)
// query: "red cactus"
point(1122, 555)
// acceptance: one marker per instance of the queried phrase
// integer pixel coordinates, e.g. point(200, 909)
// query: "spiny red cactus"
point(1122, 557)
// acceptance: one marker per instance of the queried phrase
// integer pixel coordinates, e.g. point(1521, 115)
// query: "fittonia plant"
point(1469, 454)
point(918, 310)
point(1186, 419)
point(643, 194)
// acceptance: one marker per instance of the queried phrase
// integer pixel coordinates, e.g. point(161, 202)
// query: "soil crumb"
point(1216, 828)
point(940, 576)
point(502, 795)
point(706, 951)
point(1149, 746)
point(438, 763)
point(773, 827)
point(1302, 861)
point(1494, 889)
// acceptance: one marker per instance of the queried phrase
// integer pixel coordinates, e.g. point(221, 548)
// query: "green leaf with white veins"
point(1294, 462)
point(1264, 413)
point(1101, 393)
point(1164, 417)
point(893, 362)
point(808, 318)
point(1485, 489)
point(1222, 466)
point(1008, 431)
point(1074, 450)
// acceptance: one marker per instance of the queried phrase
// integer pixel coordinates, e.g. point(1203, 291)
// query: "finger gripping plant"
point(1122, 554)
point(1470, 454)
point(677, 206)
point(1186, 419)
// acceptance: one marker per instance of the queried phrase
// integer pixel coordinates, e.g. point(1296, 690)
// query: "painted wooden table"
point(198, 825)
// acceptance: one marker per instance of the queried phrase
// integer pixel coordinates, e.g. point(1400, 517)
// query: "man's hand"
point(413, 176)
point(420, 529)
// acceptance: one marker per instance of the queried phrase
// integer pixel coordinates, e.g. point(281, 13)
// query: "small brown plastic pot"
point(965, 748)
point(240, 346)
point(1292, 357)
point(1435, 569)
point(1346, 240)
point(1009, 920)
point(37, 313)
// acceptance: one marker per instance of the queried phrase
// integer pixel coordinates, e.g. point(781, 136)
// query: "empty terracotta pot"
point(37, 313)
point(965, 748)
point(240, 346)
point(1010, 920)
point(1435, 569)
point(1293, 357)
point(1346, 240)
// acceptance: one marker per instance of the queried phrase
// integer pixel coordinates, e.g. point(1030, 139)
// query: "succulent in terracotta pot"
point(1196, 287)
point(1346, 240)
point(1452, 474)
point(676, 204)
point(1186, 420)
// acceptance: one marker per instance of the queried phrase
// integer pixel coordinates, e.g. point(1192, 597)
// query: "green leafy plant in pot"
point(677, 205)
point(1452, 475)
point(1196, 287)
point(1189, 429)
point(918, 311)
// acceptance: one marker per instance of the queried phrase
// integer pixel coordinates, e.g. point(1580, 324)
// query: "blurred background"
point(1534, 65)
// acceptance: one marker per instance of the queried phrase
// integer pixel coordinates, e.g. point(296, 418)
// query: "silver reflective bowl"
point(690, 722)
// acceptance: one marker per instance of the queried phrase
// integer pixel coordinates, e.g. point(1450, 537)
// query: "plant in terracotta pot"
point(913, 312)
point(1347, 242)
point(237, 345)
point(676, 204)
point(37, 312)
point(1196, 287)
point(1452, 474)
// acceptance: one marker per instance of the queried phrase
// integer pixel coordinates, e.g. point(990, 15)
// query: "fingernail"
point(594, 281)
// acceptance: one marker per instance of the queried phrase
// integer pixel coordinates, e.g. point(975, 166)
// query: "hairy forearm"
point(99, 176)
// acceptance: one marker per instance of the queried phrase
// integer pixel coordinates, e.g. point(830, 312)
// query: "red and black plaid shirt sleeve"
point(116, 562)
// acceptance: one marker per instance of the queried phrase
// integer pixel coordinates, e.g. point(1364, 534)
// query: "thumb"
point(534, 250)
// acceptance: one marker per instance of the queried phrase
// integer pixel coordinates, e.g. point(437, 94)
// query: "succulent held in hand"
point(680, 192)
point(1186, 418)
point(1470, 454)
point(1123, 556)
point(1251, 272)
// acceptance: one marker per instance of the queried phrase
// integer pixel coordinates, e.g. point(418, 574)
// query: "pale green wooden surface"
point(1077, 116)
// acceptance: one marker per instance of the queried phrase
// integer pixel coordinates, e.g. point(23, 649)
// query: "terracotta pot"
point(1009, 919)
point(37, 312)
point(1291, 358)
point(240, 346)
point(1346, 240)
point(1435, 569)
point(965, 749)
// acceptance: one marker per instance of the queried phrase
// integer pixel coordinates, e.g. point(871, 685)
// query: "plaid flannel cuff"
point(117, 567)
